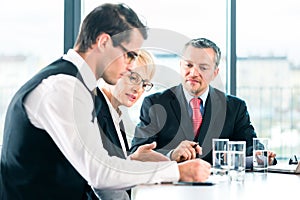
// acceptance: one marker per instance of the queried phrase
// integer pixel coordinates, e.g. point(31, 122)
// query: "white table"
point(257, 186)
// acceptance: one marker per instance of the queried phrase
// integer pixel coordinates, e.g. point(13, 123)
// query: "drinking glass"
point(220, 156)
point(237, 160)
point(260, 154)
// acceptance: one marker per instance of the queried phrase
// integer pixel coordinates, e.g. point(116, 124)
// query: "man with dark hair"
point(194, 111)
point(52, 147)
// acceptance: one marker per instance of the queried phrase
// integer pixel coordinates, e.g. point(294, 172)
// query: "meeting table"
point(256, 186)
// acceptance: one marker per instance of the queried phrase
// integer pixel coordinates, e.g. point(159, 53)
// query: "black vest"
point(32, 166)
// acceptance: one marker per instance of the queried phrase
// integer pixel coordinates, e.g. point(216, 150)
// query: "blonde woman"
point(126, 92)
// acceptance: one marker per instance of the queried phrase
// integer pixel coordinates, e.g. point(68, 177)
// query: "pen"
point(193, 183)
point(197, 154)
point(195, 145)
point(187, 183)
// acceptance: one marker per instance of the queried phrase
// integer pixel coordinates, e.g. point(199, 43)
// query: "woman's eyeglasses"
point(136, 79)
point(129, 55)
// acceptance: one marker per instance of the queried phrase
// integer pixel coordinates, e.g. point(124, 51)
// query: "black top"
point(32, 166)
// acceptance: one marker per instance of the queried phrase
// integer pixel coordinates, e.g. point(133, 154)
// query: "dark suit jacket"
point(164, 118)
point(108, 131)
point(110, 140)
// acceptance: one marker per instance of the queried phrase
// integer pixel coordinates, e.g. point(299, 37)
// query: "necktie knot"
point(195, 103)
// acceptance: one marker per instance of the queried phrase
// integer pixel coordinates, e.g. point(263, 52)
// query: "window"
point(268, 68)
point(31, 38)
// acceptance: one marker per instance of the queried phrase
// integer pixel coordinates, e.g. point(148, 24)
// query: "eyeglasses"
point(129, 55)
point(136, 79)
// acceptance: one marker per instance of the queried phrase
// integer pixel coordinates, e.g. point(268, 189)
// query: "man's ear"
point(216, 72)
point(103, 40)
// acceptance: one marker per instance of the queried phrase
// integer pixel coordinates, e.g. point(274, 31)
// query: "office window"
point(172, 23)
point(31, 38)
point(268, 67)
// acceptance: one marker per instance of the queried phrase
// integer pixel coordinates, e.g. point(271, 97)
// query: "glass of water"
point(237, 160)
point(220, 157)
point(260, 154)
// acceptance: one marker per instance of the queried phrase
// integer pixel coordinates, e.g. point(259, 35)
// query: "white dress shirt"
point(62, 106)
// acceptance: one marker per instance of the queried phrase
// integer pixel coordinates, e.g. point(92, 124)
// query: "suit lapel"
point(206, 121)
point(108, 131)
point(181, 113)
point(213, 120)
point(122, 129)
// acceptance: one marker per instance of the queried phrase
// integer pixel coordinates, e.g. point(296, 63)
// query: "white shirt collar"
point(84, 69)
point(115, 115)
point(203, 97)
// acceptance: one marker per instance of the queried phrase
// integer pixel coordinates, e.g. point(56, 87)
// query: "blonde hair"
point(146, 59)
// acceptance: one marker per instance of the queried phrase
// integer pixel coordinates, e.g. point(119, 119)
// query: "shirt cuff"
point(170, 154)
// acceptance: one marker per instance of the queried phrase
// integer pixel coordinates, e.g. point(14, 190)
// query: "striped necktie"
point(197, 117)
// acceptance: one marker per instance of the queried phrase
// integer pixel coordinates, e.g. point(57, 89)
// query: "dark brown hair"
point(117, 20)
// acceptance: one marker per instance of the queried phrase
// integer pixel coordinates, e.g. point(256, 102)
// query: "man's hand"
point(196, 170)
point(271, 157)
point(261, 159)
point(146, 153)
point(186, 150)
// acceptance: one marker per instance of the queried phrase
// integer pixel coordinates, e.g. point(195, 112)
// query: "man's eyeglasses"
point(136, 79)
point(129, 55)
